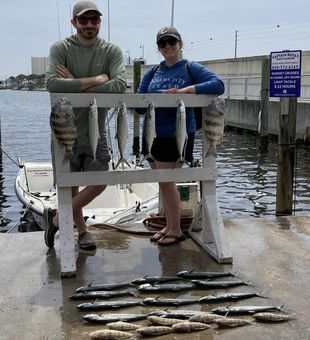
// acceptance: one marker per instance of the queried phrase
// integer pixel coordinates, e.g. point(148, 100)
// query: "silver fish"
point(178, 313)
point(107, 286)
point(166, 287)
point(93, 128)
point(107, 318)
point(153, 279)
point(154, 330)
point(214, 123)
point(122, 132)
point(202, 275)
point(149, 132)
point(180, 132)
point(106, 334)
point(224, 297)
point(108, 305)
point(157, 320)
point(167, 302)
point(246, 309)
point(100, 294)
point(217, 284)
point(64, 126)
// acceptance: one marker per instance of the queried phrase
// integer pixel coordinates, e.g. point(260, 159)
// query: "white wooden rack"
point(207, 227)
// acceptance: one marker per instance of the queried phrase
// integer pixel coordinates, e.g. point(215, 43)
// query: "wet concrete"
point(272, 254)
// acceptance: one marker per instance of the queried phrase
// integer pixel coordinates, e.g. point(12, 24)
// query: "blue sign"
point(285, 73)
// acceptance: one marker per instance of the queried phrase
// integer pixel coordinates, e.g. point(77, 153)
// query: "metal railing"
point(250, 87)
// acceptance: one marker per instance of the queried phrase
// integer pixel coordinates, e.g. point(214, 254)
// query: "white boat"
point(116, 205)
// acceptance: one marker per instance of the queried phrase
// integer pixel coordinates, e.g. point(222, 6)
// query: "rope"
point(20, 220)
point(9, 157)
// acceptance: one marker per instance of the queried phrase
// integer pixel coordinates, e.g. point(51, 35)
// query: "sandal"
point(156, 239)
point(177, 239)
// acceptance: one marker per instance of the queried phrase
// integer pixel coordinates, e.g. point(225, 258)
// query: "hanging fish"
point(93, 129)
point(149, 132)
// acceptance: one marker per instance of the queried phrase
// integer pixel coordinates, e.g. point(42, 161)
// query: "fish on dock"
point(167, 302)
point(246, 309)
point(108, 305)
point(214, 123)
point(122, 133)
point(177, 313)
point(107, 334)
point(122, 326)
point(93, 129)
point(180, 132)
point(188, 326)
point(166, 287)
point(232, 322)
point(157, 320)
point(273, 317)
point(107, 286)
point(154, 330)
point(149, 132)
point(155, 279)
point(100, 294)
point(64, 126)
point(217, 284)
point(204, 317)
point(107, 318)
point(225, 297)
point(202, 275)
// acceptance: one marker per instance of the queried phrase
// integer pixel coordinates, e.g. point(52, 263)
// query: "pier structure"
point(207, 228)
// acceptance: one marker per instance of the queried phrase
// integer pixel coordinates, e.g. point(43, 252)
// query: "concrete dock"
point(272, 254)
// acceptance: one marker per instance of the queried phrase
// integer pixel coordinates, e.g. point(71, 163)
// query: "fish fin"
point(191, 270)
point(149, 155)
point(211, 151)
point(68, 155)
point(122, 160)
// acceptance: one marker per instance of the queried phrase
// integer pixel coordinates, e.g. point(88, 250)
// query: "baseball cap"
point(168, 30)
point(83, 6)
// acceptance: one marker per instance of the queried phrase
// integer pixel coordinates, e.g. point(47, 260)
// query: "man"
point(84, 63)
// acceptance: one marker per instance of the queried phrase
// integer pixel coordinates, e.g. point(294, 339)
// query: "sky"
point(210, 29)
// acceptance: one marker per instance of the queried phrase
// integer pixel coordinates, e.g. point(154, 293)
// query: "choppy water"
point(246, 186)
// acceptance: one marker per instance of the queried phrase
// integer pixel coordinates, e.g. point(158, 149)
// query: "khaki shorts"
point(83, 158)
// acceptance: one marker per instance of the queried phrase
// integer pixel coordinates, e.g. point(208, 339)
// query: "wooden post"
point(264, 100)
point(136, 130)
point(286, 149)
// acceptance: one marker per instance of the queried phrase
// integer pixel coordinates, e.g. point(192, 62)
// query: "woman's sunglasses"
point(84, 20)
point(171, 41)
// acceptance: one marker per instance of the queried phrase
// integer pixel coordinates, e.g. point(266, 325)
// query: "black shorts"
point(165, 149)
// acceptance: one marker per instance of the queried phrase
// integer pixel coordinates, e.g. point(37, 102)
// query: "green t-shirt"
point(83, 61)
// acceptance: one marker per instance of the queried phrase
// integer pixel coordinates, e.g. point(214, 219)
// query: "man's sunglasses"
point(84, 20)
point(171, 41)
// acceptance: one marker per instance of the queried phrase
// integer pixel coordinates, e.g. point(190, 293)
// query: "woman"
point(172, 77)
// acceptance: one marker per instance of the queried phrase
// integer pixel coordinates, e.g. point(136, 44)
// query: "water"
point(246, 185)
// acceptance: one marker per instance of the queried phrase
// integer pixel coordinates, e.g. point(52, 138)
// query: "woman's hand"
point(63, 72)
point(189, 89)
point(174, 90)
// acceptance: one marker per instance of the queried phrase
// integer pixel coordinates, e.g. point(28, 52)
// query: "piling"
point(264, 99)
point(286, 152)
point(136, 131)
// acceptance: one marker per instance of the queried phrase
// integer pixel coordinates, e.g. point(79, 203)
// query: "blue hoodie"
point(167, 77)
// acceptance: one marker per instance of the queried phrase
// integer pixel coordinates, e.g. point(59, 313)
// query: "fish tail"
point(211, 152)
point(68, 155)
point(180, 159)
point(149, 155)
point(122, 160)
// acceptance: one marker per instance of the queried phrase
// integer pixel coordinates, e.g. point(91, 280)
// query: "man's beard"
point(87, 33)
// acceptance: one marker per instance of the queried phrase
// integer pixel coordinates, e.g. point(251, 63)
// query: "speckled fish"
point(274, 317)
point(64, 126)
point(122, 326)
point(225, 297)
point(189, 326)
point(155, 279)
point(245, 309)
point(231, 322)
point(106, 334)
point(167, 302)
point(176, 313)
point(180, 132)
point(202, 275)
point(122, 133)
point(214, 123)
point(157, 320)
point(205, 317)
point(93, 128)
point(166, 287)
point(108, 305)
point(149, 132)
point(154, 330)
point(107, 286)
point(100, 294)
point(217, 284)
point(107, 318)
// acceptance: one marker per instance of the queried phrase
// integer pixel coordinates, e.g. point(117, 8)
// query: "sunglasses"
point(84, 20)
point(171, 41)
